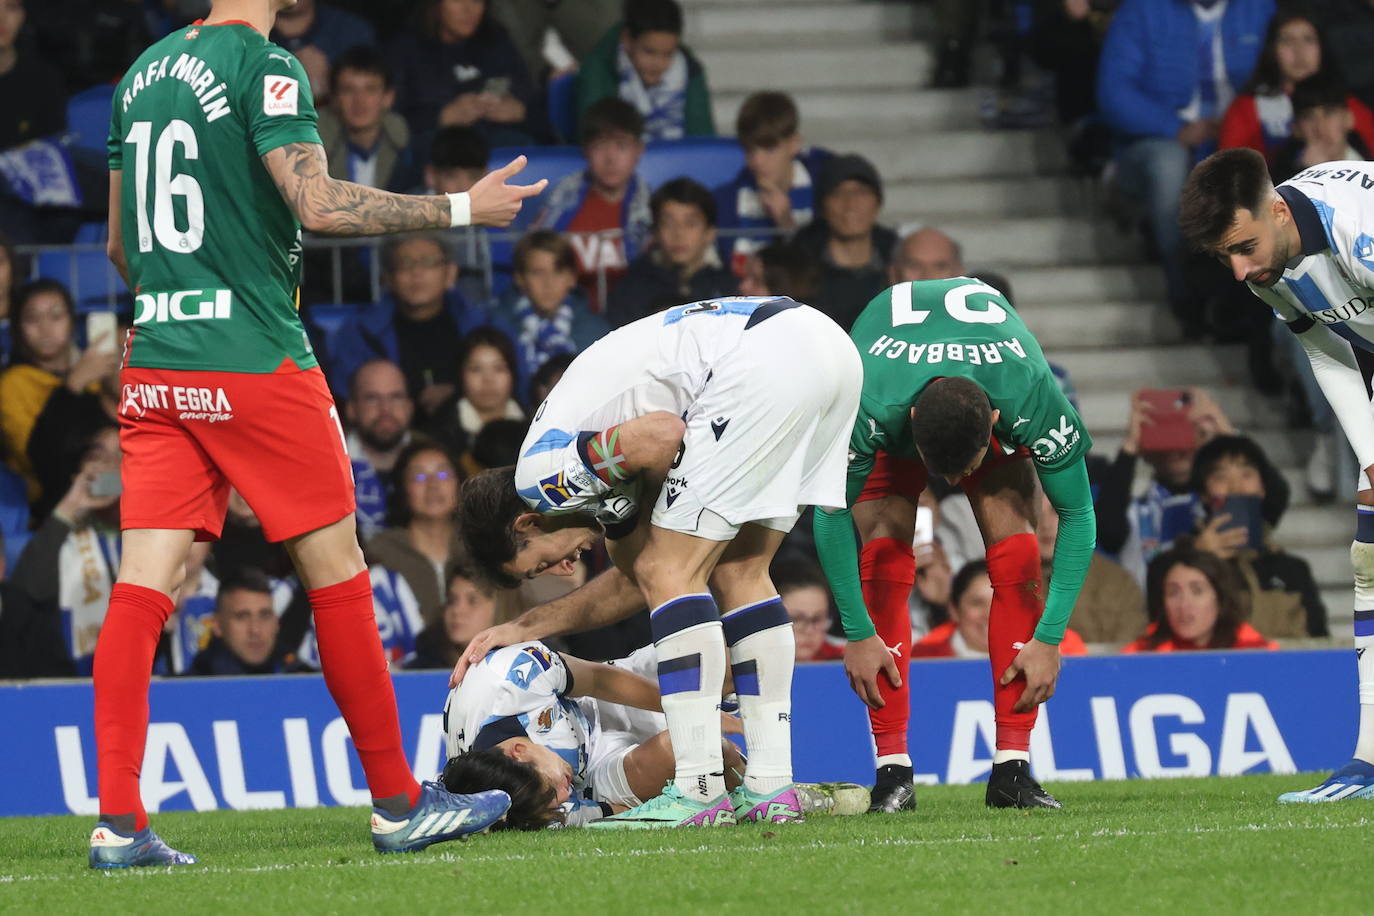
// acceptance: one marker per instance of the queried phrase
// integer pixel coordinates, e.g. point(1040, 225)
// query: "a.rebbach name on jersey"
point(213, 250)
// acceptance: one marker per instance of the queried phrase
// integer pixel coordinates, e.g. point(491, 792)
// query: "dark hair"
point(1207, 457)
point(1233, 601)
point(951, 421)
point(964, 578)
point(1221, 184)
point(363, 59)
point(394, 243)
point(398, 513)
point(543, 376)
point(461, 569)
point(22, 297)
point(430, 23)
point(1266, 78)
point(797, 572)
point(458, 147)
point(555, 243)
point(498, 442)
point(488, 336)
point(488, 506)
point(652, 16)
point(684, 191)
point(1320, 90)
point(766, 119)
point(244, 579)
point(609, 116)
point(789, 271)
point(531, 800)
point(357, 373)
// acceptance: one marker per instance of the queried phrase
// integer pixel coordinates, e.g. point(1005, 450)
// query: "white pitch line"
point(598, 853)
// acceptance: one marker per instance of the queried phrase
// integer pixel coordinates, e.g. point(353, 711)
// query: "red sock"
point(1017, 603)
point(123, 667)
point(887, 569)
point(356, 673)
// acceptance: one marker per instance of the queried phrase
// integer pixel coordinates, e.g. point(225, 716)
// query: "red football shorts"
point(189, 436)
point(907, 477)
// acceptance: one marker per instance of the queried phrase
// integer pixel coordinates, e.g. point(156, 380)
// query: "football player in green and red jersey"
point(215, 165)
point(955, 385)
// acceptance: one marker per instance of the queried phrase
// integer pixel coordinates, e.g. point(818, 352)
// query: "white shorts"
point(769, 433)
point(620, 729)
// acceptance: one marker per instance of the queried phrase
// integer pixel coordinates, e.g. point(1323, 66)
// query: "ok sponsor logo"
point(183, 305)
point(190, 402)
point(1055, 442)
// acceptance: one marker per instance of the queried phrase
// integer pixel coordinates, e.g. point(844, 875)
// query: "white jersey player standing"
point(692, 439)
point(1306, 248)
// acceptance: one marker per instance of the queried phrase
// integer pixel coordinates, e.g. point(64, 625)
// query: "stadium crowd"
point(440, 345)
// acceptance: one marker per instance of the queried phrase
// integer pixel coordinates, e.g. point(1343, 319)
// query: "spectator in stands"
point(929, 598)
point(1111, 607)
point(682, 266)
point(379, 411)
point(926, 254)
point(1196, 602)
point(9, 269)
point(45, 358)
point(469, 609)
point(548, 312)
point(489, 372)
point(319, 35)
point(774, 193)
point(1262, 116)
point(420, 326)
point(780, 269)
point(1284, 598)
point(1066, 40)
point(579, 25)
point(643, 61)
point(457, 159)
point(852, 248)
point(32, 643)
point(546, 376)
point(365, 140)
point(496, 445)
point(1348, 27)
point(462, 68)
point(72, 559)
point(1168, 71)
point(245, 627)
point(965, 634)
point(1323, 129)
point(33, 102)
point(806, 596)
point(604, 210)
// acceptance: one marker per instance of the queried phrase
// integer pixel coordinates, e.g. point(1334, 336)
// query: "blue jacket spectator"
point(317, 34)
point(549, 313)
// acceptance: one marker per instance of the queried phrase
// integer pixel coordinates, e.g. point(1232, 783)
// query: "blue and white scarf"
point(539, 337)
point(664, 106)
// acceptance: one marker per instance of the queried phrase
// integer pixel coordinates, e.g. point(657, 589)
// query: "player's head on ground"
point(768, 127)
point(780, 269)
point(379, 407)
point(244, 618)
point(457, 159)
point(509, 543)
point(684, 220)
point(926, 254)
point(545, 269)
point(611, 132)
point(420, 270)
point(651, 35)
point(951, 423)
point(361, 87)
point(537, 780)
point(970, 603)
point(1229, 210)
point(1194, 596)
point(470, 606)
point(426, 485)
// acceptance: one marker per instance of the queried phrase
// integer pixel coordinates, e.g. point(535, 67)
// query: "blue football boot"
point(1352, 781)
point(112, 849)
point(438, 815)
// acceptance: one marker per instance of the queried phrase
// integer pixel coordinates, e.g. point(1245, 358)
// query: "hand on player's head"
point(495, 203)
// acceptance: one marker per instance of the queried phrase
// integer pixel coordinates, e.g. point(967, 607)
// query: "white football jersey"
point(1332, 282)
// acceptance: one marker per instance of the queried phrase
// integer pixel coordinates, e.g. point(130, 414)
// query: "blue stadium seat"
point(89, 274)
point(563, 107)
point(324, 323)
point(710, 160)
point(88, 118)
point(551, 162)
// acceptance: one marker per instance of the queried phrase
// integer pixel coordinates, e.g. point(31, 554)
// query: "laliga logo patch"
point(279, 95)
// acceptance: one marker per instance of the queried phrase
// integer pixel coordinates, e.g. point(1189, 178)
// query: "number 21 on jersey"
point(956, 305)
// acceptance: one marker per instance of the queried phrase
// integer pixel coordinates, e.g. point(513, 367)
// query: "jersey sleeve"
point(114, 141)
point(276, 100)
point(1048, 425)
point(556, 476)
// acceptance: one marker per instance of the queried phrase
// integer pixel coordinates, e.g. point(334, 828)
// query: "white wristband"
point(460, 209)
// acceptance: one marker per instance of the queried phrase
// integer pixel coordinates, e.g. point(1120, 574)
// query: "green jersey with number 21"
point(914, 333)
point(213, 250)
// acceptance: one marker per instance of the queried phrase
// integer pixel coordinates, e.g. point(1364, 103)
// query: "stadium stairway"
point(858, 70)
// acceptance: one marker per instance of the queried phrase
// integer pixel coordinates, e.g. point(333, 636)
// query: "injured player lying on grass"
point(573, 741)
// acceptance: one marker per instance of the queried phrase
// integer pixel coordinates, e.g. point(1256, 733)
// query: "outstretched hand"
point(864, 660)
point(495, 203)
point(1038, 662)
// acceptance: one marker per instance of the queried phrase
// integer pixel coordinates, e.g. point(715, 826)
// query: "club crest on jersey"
point(280, 95)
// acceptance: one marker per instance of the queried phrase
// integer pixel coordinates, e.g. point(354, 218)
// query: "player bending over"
point(721, 420)
point(955, 385)
point(1305, 249)
point(215, 164)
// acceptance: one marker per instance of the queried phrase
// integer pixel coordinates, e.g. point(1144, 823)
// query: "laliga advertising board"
point(275, 742)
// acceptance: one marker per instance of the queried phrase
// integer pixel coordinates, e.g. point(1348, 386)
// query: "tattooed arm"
point(331, 206)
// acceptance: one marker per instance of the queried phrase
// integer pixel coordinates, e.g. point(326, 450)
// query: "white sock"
point(1362, 559)
point(894, 760)
point(1002, 756)
point(762, 655)
point(691, 671)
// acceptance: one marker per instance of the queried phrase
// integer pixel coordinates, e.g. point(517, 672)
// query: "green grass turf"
point(1181, 846)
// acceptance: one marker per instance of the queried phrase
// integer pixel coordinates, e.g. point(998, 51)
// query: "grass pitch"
point(1180, 846)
